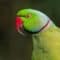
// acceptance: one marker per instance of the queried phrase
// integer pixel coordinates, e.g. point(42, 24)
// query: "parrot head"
point(30, 20)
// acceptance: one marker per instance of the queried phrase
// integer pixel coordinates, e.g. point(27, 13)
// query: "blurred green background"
point(13, 46)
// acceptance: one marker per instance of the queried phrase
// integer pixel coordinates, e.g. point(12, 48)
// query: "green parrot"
point(45, 34)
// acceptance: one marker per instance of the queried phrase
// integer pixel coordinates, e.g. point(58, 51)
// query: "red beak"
point(19, 23)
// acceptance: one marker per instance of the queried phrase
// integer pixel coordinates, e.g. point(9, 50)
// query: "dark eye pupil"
point(29, 15)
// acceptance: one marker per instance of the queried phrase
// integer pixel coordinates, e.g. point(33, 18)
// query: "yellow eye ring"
point(29, 16)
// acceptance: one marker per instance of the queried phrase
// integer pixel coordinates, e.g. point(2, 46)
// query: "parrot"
point(45, 33)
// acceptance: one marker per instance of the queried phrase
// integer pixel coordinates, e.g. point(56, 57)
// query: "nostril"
point(19, 22)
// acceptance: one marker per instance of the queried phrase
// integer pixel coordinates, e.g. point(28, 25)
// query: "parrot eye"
point(28, 16)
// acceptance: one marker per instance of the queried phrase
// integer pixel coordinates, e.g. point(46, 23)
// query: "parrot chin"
point(22, 32)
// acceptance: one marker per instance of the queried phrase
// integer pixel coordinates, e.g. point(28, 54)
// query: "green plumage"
point(46, 43)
